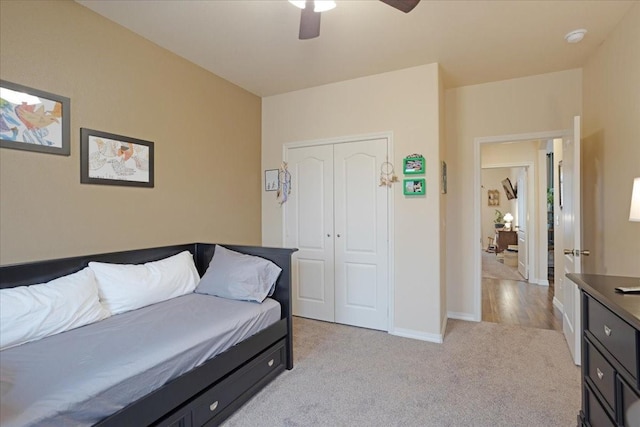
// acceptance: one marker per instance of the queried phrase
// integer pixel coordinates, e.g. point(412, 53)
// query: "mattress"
point(84, 375)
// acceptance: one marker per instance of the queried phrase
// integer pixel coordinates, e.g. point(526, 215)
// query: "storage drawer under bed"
point(218, 402)
point(213, 402)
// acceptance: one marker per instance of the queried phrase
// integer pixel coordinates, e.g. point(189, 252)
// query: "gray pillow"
point(239, 276)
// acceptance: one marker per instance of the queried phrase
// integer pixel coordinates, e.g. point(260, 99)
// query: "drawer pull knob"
point(213, 406)
point(270, 362)
point(607, 330)
point(600, 374)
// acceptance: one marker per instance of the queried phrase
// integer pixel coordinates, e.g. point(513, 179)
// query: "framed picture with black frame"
point(34, 120)
point(508, 189)
point(110, 159)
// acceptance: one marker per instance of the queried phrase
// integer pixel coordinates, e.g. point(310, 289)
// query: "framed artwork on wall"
point(110, 159)
point(508, 189)
point(414, 187)
point(271, 180)
point(413, 165)
point(493, 198)
point(34, 120)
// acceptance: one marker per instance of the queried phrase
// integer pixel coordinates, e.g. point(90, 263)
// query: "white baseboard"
point(417, 335)
point(558, 304)
point(469, 317)
point(540, 282)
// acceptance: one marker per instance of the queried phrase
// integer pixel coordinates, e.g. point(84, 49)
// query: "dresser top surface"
point(602, 288)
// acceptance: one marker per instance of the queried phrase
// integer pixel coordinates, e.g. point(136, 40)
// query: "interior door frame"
point(532, 225)
point(477, 193)
point(390, 205)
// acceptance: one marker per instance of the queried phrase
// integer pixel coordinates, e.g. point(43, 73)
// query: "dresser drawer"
point(213, 401)
point(614, 334)
point(630, 405)
point(602, 375)
point(596, 414)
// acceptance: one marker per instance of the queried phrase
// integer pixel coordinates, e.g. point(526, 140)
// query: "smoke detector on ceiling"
point(575, 36)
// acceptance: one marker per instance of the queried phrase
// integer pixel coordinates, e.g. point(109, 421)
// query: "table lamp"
point(507, 219)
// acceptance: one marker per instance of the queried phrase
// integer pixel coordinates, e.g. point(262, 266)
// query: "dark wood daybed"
point(211, 392)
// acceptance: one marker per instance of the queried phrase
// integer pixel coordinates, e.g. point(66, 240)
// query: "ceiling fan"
point(311, 9)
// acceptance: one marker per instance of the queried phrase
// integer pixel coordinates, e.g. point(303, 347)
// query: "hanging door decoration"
point(284, 184)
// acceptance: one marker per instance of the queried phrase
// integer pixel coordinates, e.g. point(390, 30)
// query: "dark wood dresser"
point(504, 239)
point(610, 351)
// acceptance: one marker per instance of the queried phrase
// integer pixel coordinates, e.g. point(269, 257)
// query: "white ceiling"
point(254, 43)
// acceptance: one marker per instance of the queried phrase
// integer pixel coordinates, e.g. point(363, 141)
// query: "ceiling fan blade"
point(404, 5)
point(309, 23)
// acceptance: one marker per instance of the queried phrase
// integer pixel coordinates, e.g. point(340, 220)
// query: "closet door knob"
point(338, 235)
point(328, 235)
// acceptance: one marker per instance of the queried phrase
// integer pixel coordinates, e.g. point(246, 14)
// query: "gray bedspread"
point(79, 377)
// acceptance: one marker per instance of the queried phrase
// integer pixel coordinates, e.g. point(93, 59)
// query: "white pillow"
point(239, 276)
point(28, 313)
point(125, 287)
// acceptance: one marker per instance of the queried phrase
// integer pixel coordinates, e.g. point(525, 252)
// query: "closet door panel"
point(309, 227)
point(361, 270)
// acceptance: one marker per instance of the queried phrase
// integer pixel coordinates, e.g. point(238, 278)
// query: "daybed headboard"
point(44, 271)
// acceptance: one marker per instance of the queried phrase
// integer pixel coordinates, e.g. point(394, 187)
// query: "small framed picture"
point(414, 187)
point(508, 189)
point(271, 180)
point(413, 165)
point(110, 159)
point(493, 198)
point(34, 120)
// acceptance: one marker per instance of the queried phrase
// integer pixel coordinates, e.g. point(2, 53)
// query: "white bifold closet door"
point(337, 217)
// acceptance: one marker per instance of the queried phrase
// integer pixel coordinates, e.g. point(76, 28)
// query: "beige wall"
point(611, 151)
point(406, 103)
point(526, 105)
point(203, 127)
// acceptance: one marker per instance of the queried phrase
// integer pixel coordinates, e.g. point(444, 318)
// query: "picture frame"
point(508, 189)
point(34, 120)
point(414, 187)
point(443, 177)
point(110, 159)
point(413, 165)
point(271, 180)
point(493, 198)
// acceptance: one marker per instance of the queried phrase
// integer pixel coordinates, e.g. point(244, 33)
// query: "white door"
point(570, 194)
point(523, 216)
point(309, 227)
point(361, 234)
point(340, 272)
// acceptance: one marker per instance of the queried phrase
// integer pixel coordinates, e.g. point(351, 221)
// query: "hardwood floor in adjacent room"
point(519, 303)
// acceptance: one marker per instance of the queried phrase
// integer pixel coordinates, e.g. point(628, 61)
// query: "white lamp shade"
point(634, 211)
point(508, 217)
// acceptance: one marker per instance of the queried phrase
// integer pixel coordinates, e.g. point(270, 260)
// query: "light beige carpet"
point(492, 268)
point(485, 374)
